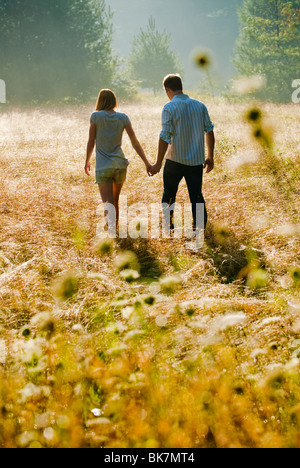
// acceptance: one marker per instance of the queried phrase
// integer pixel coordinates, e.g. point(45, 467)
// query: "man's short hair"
point(173, 82)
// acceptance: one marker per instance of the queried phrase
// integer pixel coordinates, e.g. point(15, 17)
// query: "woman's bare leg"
point(116, 195)
point(107, 194)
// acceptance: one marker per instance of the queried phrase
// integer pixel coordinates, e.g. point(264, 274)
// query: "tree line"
point(62, 49)
point(54, 49)
point(268, 45)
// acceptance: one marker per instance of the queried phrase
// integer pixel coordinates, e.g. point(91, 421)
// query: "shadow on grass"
point(149, 264)
point(229, 254)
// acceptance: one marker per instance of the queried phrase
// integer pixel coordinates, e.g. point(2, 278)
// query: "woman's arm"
point(90, 148)
point(162, 149)
point(137, 146)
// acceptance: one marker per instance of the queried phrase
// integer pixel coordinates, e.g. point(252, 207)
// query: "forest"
point(66, 50)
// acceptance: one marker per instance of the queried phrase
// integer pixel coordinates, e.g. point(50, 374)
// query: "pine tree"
point(269, 45)
point(151, 57)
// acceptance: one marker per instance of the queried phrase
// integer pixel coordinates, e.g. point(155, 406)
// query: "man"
point(185, 122)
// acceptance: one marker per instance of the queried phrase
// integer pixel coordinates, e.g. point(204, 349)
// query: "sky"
point(212, 24)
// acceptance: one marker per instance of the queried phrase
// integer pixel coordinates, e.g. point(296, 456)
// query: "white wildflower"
point(249, 84)
point(42, 421)
point(24, 439)
point(127, 260)
point(241, 158)
point(117, 349)
point(3, 352)
point(154, 288)
point(230, 320)
point(170, 283)
point(130, 275)
point(49, 434)
point(97, 412)
point(98, 422)
point(270, 321)
point(78, 328)
point(161, 321)
point(294, 306)
point(133, 333)
point(127, 312)
point(288, 230)
point(33, 391)
point(33, 349)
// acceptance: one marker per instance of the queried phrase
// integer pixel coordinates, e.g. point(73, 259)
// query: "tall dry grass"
point(199, 348)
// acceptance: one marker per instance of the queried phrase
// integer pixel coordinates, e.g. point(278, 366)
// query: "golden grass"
point(202, 349)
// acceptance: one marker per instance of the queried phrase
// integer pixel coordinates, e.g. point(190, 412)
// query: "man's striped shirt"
point(184, 124)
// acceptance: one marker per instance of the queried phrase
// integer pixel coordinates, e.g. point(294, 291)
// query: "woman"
point(106, 131)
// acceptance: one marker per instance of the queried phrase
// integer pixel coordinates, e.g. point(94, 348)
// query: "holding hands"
point(148, 168)
point(155, 169)
point(162, 149)
point(152, 170)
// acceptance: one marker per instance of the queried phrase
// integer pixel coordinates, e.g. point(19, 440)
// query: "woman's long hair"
point(106, 100)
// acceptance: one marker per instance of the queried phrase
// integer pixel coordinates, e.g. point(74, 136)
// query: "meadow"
point(144, 343)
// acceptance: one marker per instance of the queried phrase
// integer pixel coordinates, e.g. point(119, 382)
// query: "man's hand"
point(210, 141)
point(155, 169)
point(209, 165)
point(88, 169)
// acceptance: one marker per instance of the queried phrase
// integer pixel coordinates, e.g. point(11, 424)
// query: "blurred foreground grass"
point(143, 343)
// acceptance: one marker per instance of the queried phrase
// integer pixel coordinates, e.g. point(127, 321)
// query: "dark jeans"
point(193, 175)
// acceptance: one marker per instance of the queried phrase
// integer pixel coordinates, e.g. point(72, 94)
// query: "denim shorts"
point(111, 175)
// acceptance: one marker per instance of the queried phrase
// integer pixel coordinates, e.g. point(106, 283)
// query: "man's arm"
point(210, 143)
point(164, 140)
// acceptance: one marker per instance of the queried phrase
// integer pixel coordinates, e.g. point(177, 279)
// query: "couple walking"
point(185, 122)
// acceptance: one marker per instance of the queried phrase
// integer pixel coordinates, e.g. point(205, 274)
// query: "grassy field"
point(202, 349)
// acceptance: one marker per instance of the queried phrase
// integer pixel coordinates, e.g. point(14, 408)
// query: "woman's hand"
point(88, 169)
point(148, 168)
point(90, 148)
